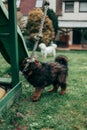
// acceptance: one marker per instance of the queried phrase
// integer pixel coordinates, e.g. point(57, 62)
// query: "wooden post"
point(13, 41)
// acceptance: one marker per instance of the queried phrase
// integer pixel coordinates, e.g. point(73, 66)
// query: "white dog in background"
point(50, 50)
point(53, 44)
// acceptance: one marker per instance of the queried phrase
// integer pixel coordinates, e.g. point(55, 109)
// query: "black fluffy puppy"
point(41, 74)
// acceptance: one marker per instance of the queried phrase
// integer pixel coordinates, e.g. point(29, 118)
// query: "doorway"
point(77, 36)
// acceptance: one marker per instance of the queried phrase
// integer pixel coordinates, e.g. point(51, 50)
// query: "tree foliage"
point(52, 15)
point(19, 17)
point(33, 26)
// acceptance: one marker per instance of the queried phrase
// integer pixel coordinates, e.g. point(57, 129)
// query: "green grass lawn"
point(52, 111)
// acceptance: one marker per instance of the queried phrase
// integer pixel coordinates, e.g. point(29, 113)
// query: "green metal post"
point(13, 41)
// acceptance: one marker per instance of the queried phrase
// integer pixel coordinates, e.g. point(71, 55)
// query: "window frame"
point(82, 11)
point(69, 11)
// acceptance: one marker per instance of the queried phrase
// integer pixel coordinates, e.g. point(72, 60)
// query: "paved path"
point(73, 47)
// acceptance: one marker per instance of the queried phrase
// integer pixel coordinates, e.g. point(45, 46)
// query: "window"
point(39, 3)
point(83, 6)
point(18, 3)
point(69, 6)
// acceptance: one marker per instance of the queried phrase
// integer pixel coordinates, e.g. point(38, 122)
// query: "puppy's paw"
point(37, 94)
point(35, 98)
point(63, 92)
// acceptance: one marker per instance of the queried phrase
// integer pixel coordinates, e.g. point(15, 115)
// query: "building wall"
point(53, 5)
point(76, 15)
point(59, 7)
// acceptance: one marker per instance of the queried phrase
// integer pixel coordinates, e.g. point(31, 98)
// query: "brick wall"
point(59, 7)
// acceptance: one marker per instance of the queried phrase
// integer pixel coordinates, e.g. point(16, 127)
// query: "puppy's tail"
point(62, 60)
